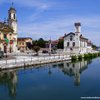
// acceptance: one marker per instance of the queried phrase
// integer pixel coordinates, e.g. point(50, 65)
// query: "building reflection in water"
point(75, 69)
point(9, 79)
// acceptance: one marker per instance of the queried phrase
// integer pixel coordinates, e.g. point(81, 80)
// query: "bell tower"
point(12, 22)
point(77, 35)
point(78, 27)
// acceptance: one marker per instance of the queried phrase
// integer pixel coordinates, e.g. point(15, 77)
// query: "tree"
point(60, 44)
point(41, 43)
point(34, 43)
point(36, 49)
point(94, 46)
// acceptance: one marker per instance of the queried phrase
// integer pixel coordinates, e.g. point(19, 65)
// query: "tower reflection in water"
point(9, 79)
point(75, 69)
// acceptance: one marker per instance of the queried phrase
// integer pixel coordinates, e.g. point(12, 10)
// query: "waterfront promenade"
point(18, 61)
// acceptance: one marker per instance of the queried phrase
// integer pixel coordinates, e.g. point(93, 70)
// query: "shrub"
point(94, 55)
point(99, 54)
point(86, 56)
point(80, 57)
point(90, 55)
point(73, 58)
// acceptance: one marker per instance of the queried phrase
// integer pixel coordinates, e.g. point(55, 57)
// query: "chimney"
point(78, 27)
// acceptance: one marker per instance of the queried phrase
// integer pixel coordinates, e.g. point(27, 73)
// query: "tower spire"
point(12, 4)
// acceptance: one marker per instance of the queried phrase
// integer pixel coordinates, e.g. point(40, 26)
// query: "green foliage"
point(60, 44)
point(94, 55)
point(86, 56)
point(80, 57)
point(40, 42)
point(94, 47)
point(34, 42)
point(99, 54)
point(90, 55)
point(73, 58)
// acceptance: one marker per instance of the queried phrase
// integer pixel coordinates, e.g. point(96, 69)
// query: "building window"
point(23, 43)
point(9, 15)
point(73, 44)
point(5, 36)
point(71, 38)
point(71, 49)
point(67, 44)
point(67, 64)
point(14, 16)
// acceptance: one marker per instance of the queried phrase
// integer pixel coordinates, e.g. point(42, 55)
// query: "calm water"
point(59, 81)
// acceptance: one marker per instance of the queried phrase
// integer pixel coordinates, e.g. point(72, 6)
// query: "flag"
point(7, 40)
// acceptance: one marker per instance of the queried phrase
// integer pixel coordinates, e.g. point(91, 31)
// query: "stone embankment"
point(25, 61)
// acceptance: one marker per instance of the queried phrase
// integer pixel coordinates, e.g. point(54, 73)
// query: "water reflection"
point(75, 69)
point(10, 78)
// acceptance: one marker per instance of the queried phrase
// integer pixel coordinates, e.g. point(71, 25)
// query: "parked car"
point(1, 54)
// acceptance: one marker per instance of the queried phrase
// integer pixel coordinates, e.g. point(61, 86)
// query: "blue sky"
point(54, 18)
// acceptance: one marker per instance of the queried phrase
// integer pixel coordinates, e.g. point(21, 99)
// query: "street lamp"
point(50, 46)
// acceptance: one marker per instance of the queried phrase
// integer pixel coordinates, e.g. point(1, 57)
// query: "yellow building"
point(6, 38)
point(8, 32)
point(24, 44)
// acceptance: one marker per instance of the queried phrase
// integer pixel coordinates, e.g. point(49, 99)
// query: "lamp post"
point(50, 46)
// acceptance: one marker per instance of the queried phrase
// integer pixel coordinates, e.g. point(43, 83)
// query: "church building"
point(8, 32)
point(75, 43)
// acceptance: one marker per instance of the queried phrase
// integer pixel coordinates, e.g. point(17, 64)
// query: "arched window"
point(71, 38)
point(67, 44)
point(14, 16)
point(5, 36)
point(9, 15)
point(73, 44)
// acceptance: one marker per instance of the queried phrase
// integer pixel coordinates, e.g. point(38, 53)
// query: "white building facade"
point(75, 43)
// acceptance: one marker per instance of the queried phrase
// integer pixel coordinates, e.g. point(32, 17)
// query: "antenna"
point(12, 4)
